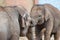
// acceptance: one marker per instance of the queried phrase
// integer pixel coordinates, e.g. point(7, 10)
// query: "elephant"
point(24, 20)
point(11, 27)
point(48, 17)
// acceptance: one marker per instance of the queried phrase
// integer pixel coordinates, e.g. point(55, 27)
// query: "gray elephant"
point(24, 20)
point(10, 22)
point(46, 16)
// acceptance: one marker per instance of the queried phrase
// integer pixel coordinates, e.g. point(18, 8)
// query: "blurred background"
point(55, 3)
point(25, 3)
point(28, 3)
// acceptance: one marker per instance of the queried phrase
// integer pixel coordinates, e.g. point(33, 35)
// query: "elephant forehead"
point(34, 13)
point(37, 12)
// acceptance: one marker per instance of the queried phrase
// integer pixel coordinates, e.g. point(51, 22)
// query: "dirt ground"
point(24, 38)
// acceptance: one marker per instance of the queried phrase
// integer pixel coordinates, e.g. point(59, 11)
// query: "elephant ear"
point(47, 14)
point(22, 11)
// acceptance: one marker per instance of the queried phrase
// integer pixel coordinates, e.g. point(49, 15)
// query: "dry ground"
point(24, 38)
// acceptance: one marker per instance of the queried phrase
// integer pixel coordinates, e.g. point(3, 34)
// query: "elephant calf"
point(46, 16)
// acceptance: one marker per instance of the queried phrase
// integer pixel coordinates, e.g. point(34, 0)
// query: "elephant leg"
point(47, 36)
point(57, 35)
point(47, 33)
point(14, 37)
point(42, 33)
point(38, 34)
point(30, 34)
point(49, 28)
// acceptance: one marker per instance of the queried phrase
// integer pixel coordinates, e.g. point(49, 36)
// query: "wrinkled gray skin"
point(10, 22)
point(46, 16)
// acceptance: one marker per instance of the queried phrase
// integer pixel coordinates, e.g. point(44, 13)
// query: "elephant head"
point(24, 20)
point(37, 14)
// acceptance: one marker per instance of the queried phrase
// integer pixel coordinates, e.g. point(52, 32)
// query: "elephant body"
point(11, 22)
point(48, 17)
point(3, 25)
point(56, 15)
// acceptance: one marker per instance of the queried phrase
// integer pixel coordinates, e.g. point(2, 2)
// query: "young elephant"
point(24, 20)
point(44, 16)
